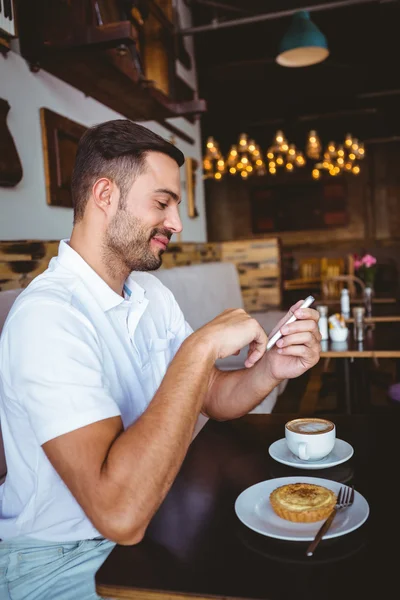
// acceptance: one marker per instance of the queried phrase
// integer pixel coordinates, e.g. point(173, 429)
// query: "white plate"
point(253, 508)
point(341, 452)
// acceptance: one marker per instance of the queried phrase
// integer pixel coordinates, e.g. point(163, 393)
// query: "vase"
point(368, 295)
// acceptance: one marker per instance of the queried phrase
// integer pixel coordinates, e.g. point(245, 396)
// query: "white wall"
point(24, 213)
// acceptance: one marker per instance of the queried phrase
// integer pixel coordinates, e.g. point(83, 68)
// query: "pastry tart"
point(302, 502)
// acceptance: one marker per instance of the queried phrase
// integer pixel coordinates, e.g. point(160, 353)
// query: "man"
point(102, 380)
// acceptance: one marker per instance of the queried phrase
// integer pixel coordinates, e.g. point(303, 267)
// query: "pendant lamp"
point(303, 44)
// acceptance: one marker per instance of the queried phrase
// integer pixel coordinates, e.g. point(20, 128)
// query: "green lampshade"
point(303, 44)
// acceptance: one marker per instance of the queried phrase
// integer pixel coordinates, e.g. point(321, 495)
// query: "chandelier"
point(337, 158)
point(246, 158)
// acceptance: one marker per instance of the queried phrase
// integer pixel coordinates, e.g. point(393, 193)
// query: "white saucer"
point(341, 452)
point(254, 509)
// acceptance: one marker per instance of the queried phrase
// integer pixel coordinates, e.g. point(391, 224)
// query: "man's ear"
point(104, 191)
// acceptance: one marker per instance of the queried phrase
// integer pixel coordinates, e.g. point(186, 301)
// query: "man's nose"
point(173, 220)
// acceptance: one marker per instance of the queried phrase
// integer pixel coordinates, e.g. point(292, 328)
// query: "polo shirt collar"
point(105, 296)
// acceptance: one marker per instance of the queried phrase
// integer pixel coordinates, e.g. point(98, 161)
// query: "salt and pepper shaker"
point(345, 302)
point(323, 321)
point(359, 324)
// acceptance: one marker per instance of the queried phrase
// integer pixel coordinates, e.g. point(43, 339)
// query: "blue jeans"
point(37, 570)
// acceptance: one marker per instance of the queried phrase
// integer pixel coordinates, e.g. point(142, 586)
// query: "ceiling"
point(356, 89)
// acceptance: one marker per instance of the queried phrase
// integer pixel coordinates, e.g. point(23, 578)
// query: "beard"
point(128, 241)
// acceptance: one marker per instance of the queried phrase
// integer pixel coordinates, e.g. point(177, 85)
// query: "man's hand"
point(231, 331)
point(299, 347)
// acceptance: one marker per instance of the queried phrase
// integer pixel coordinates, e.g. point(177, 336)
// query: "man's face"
point(146, 218)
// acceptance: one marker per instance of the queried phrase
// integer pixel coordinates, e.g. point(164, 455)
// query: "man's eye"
point(162, 206)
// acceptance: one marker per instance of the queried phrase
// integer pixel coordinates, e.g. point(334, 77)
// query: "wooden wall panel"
point(258, 264)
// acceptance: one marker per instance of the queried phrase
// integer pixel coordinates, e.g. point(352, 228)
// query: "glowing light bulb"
point(232, 170)
point(349, 140)
point(272, 170)
point(356, 170)
point(210, 142)
point(352, 156)
point(259, 162)
point(279, 137)
point(244, 174)
point(312, 136)
point(289, 167)
point(218, 176)
point(270, 155)
point(243, 141)
point(331, 147)
point(279, 160)
point(316, 174)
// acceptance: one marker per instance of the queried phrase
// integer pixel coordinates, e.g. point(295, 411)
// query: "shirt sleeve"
point(53, 361)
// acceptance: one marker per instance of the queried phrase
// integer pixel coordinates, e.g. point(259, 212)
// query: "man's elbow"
point(122, 530)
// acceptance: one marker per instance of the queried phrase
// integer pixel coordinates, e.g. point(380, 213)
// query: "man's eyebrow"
point(170, 193)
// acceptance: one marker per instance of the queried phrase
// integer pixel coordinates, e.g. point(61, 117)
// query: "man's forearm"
point(157, 442)
point(233, 394)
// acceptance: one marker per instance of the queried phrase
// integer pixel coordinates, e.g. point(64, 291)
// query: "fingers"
point(301, 338)
point(306, 338)
point(300, 326)
point(300, 350)
point(257, 347)
point(289, 314)
point(307, 313)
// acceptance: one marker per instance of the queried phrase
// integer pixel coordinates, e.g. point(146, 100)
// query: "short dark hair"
point(115, 149)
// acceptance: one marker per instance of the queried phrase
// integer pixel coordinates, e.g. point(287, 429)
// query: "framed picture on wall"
point(60, 137)
point(300, 206)
point(191, 166)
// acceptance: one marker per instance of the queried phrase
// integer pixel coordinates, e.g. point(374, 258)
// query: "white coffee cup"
point(310, 438)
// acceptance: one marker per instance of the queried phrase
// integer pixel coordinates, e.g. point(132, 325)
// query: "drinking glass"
point(359, 323)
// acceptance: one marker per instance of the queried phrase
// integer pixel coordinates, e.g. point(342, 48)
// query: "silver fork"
point(345, 499)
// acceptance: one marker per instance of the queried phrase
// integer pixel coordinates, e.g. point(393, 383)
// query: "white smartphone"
point(307, 302)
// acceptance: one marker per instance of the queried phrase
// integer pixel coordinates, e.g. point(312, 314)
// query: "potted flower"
point(365, 267)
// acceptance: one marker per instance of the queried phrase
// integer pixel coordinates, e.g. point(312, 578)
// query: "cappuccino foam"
point(310, 426)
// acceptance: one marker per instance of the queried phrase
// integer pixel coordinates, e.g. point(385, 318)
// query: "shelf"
point(102, 60)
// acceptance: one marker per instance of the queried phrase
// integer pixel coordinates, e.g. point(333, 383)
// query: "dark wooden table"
point(382, 340)
point(197, 547)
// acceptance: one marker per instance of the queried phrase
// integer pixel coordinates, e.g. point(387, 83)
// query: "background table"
point(382, 340)
point(196, 546)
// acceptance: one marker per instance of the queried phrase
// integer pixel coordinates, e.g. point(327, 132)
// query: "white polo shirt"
point(73, 352)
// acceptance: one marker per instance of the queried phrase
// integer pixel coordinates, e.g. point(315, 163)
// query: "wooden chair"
point(309, 268)
point(331, 286)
